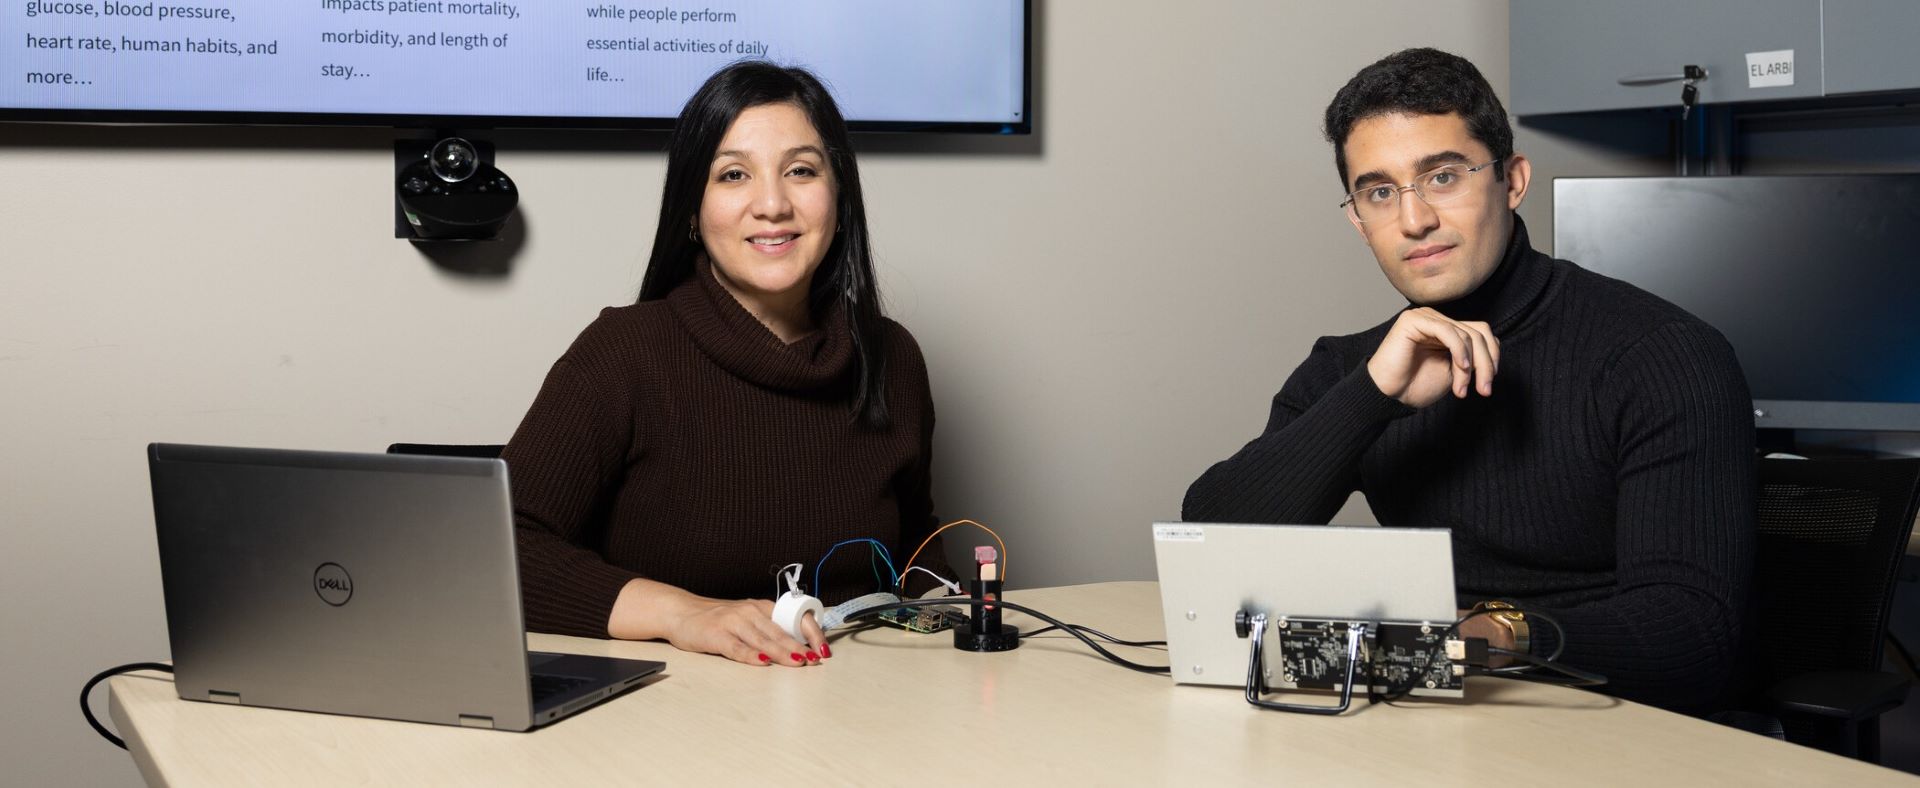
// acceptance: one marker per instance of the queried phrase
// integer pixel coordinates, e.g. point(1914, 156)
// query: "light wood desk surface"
point(891, 708)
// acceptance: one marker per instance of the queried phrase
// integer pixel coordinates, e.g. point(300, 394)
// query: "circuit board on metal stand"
point(1398, 657)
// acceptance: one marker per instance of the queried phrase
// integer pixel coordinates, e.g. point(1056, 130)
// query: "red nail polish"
point(824, 651)
point(765, 658)
point(813, 657)
point(797, 657)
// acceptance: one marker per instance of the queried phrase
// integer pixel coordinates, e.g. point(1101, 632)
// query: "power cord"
point(1575, 677)
point(1097, 633)
point(87, 710)
point(1070, 629)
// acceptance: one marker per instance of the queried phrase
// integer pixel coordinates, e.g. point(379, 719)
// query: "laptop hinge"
point(223, 697)
point(475, 721)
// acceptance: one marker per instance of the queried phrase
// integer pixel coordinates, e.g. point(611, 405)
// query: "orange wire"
point(936, 532)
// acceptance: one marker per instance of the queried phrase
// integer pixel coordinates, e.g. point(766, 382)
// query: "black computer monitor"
point(1815, 279)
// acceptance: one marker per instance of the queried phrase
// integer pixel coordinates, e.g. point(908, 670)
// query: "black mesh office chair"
point(1832, 533)
point(484, 451)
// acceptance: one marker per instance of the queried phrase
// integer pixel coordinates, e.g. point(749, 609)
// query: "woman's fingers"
point(775, 641)
point(743, 631)
point(814, 635)
point(738, 650)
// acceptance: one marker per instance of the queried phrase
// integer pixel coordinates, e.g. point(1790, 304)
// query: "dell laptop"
point(367, 584)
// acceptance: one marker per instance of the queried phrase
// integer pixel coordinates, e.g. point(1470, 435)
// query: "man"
point(1589, 444)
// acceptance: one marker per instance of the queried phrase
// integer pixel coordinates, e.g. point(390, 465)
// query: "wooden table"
point(892, 708)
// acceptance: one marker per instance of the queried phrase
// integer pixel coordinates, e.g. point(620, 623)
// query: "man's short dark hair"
point(1421, 82)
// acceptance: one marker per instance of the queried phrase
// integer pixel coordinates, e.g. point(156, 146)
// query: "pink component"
point(985, 554)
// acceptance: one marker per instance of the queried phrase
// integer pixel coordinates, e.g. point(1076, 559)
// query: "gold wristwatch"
point(1514, 620)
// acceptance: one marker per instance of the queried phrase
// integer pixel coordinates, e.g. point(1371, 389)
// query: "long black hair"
point(844, 276)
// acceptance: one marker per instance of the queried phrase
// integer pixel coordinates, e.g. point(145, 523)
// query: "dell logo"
point(333, 584)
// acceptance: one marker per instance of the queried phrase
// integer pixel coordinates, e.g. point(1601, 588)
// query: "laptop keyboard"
point(546, 686)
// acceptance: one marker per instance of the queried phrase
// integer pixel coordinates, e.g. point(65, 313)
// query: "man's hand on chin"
point(1428, 355)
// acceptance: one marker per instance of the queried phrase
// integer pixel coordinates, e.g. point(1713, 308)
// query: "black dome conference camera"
point(453, 160)
point(453, 193)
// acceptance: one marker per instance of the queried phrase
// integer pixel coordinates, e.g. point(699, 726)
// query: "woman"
point(751, 410)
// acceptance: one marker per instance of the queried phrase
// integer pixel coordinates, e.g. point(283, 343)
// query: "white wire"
point(792, 573)
point(952, 587)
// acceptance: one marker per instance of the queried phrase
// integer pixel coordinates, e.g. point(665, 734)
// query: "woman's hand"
point(739, 629)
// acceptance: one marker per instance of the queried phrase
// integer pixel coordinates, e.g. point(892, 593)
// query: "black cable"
point(1560, 632)
point(1575, 676)
point(1057, 623)
point(103, 676)
point(1097, 633)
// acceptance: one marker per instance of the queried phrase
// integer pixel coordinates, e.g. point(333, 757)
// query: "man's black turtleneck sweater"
point(1608, 480)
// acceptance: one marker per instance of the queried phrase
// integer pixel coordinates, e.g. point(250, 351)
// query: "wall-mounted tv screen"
point(929, 64)
point(1814, 279)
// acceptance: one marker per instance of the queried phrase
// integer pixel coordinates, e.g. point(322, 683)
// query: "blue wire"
point(884, 556)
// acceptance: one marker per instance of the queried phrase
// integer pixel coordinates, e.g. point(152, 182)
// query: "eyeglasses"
point(1381, 202)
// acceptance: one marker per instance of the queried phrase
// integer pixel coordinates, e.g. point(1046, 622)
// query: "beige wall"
point(1107, 308)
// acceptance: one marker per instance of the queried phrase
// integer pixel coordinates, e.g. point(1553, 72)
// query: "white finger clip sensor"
point(793, 606)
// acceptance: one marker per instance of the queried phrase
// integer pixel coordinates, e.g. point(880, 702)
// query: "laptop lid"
point(365, 584)
point(1209, 572)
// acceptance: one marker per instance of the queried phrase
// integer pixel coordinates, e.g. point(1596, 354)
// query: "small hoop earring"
point(693, 233)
